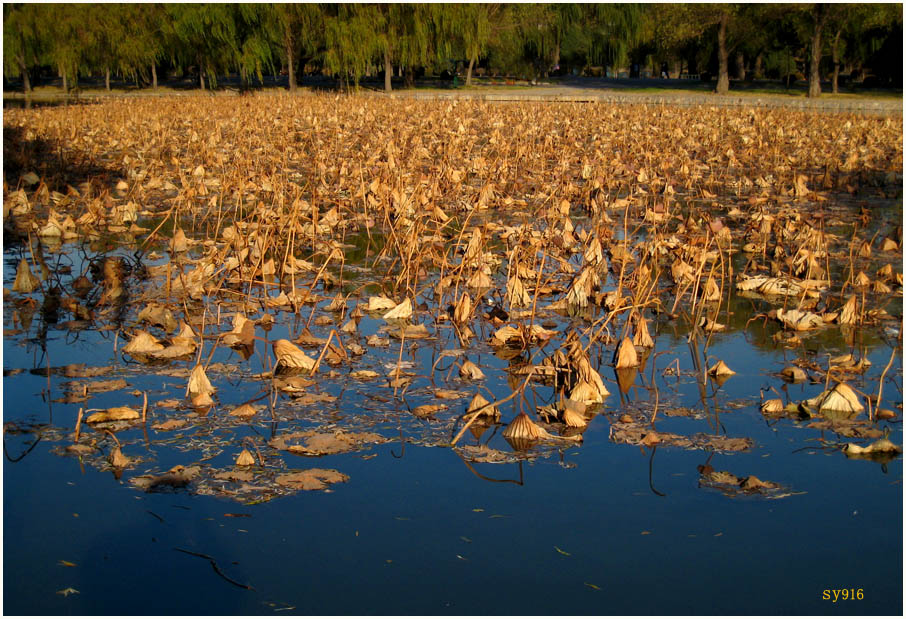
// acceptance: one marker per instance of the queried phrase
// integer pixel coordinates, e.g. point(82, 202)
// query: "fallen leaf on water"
point(595, 587)
point(67, 591)
point(562, 552)
point(66, 563)
point(117, 413)
point(311, 479)
point(426, 410)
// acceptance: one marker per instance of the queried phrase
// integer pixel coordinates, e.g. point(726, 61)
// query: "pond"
point(345, 370)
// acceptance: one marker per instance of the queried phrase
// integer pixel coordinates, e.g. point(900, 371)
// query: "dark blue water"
point(593, 528)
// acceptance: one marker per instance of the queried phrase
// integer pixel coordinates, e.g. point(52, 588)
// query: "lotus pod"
point(865, 250)
point(245, 458)
point(142, 344)
point(862, 280)
point(880, 287)
point(522, 427)
point(720, 369)
point(400, 312)
point(199, 383)
point(470, 371)
point(626, 355)
point(463, 309)
point(885, 272)
point(478, 403)
point(641, 338)
point(290, 357)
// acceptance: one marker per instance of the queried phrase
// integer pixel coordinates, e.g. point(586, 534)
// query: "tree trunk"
point(740, 66)
point(65, 81)
point(836, 58)
point(759, 66)
point(469, 71)
point(154, 75)
point(290, 69)
point(814, 75)
point(723, 75)
point(26, 80)
point(107, 79)
point(201, 73)
point(388, 71)
point(410, 77)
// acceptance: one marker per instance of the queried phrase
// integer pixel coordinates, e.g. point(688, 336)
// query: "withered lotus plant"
point(626, 356)
point(290, 358)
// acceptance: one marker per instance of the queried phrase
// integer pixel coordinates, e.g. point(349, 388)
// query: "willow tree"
point(301, 29)
point(206, 35)
point(404, 36)
point(257, 36)
point(351, 41)
point(23, 43)
point(476, 26)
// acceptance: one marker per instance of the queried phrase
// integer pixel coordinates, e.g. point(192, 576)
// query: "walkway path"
point(607, 94)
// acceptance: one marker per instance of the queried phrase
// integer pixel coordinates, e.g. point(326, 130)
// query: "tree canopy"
point(351, 41)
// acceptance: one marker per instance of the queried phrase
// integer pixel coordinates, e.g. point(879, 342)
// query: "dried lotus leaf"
point(199, 383)
point(311, 479)
point(799, 320)
point(244, 411)
point(841, 399)
point(470, 371)
point(626, 355)
point(479, 403)
point(772, 406)
point(641, 338)
point(463, 309)
point(400, 312)
point(142, 344)
point(522, 427)
point(117, 413)
point(245, 458)
point(380, 304)
point(291, 357)
point(25, 281)
point(720, 369)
